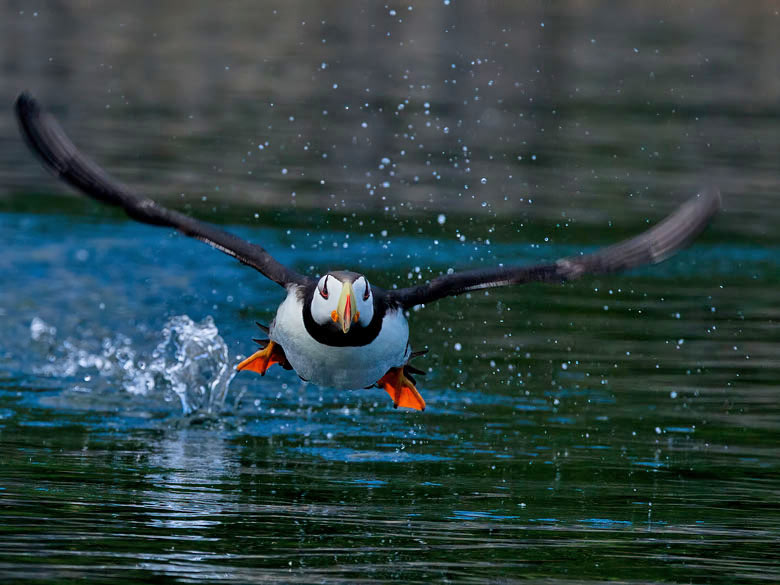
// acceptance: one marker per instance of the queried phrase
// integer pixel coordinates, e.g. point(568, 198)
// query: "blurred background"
point(576, 105)
point(622, 427)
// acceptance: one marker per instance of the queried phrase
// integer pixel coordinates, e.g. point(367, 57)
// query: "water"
point(619, 428)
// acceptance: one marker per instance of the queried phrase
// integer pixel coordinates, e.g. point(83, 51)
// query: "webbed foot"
point(270, 354)
point(399, 384)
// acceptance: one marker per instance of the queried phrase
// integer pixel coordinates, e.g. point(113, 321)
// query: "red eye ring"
point(367, 293)
point(324, 289)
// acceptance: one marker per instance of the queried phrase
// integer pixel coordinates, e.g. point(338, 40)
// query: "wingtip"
point(26, 105)
point(712, 195)
point(28, 114)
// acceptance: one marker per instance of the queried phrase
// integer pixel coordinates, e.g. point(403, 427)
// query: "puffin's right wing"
point(650, 247)
point(46, 138)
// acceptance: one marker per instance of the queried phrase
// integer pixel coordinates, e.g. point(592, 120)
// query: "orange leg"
point(263, 359)
point(401, 389)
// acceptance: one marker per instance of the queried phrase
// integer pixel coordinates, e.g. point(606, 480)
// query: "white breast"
point(348, 368)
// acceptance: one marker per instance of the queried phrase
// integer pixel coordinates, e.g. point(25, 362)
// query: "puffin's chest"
point(345, 367)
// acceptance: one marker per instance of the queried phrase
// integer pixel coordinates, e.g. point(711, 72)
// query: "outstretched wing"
point(46, 138)
point(650, 247)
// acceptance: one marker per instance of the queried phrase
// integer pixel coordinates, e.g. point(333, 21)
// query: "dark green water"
point(621, 428)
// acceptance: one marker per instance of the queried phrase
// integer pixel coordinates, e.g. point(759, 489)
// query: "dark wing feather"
point(46, 138)
point(650, 247)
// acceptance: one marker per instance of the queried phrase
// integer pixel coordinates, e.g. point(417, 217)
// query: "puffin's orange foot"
point(401, 389)
point(272, 353)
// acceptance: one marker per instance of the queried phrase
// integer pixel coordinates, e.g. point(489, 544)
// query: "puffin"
point(340, 330)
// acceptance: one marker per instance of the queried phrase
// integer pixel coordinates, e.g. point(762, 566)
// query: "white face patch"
point(326, 299)
point(365, 300)
point(324, 303)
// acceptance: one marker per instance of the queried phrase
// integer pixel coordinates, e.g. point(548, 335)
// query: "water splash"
point(190, 363)
point(193, 359)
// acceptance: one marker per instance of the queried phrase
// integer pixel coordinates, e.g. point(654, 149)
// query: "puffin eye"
point(324, 289)
point(367, 293)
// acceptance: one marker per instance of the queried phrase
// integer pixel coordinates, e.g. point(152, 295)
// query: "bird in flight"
point(339, 330)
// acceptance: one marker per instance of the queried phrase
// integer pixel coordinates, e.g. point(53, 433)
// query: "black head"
point(342, 309)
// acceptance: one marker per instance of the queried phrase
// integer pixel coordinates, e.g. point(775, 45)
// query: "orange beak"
point(347, 307)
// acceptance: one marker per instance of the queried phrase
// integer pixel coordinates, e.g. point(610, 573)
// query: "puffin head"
point(342, 300)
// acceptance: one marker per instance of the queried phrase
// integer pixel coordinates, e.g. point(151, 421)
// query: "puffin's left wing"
point(650, 247)
point(46, 138)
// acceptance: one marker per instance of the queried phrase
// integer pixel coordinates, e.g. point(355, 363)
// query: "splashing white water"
point(190, 363)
